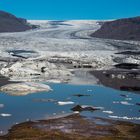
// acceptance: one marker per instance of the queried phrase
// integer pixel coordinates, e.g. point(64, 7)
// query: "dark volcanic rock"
point(129, 53)
point(127, 66)
point(121, 79)
point(130, 88)
point(4, 81)
point(10, 23)
point(81, 95)
point(85, 108)
point(122, 29)
point(138, 104)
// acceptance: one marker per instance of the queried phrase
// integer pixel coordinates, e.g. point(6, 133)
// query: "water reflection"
point(42, 105)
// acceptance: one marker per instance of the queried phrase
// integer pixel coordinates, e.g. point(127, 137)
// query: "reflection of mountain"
point(122, 29)
point(10, 23)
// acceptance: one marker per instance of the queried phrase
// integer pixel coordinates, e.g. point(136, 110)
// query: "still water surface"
point(116, 104)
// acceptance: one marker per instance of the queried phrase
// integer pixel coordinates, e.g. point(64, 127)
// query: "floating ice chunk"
point(108, 112)
point(1, 105)
point(116, 102)
point(5, 115)
point(128, 99)
point(125, 118)
point(1, 132)
point(89, 90)
point(24, 88)
point(27, 119)
point(81, 108)
point(65, 103)
point(86, 106)
point(122, 102)
point(125, 103)
point(76, 112)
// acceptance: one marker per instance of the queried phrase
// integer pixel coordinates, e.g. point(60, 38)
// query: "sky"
point(72, 9)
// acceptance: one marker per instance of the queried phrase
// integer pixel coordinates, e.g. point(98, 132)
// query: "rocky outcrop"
point(10, 23)
point(122, 29)
point(80, 108)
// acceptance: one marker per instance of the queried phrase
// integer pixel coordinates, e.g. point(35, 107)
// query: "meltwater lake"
point(113, 104)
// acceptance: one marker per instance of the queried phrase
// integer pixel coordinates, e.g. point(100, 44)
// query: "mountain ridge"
point(121, 29)
point(10, 23)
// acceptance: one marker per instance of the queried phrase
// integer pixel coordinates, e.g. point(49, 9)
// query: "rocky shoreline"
point(74, 127)
point(125, 80)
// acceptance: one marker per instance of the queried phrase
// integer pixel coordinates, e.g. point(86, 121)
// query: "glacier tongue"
point(53, 51)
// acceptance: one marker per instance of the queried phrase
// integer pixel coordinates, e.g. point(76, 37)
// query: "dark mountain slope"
point(122, 29)
point(10, 23)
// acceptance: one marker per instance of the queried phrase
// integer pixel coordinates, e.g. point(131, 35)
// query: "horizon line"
point(84, 19)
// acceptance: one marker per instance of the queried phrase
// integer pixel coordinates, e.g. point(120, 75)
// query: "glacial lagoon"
point(112, 104)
